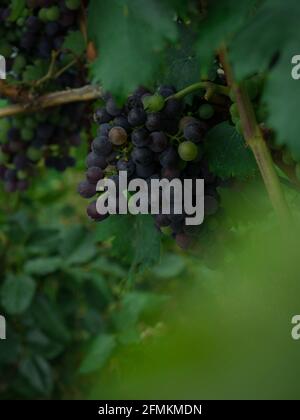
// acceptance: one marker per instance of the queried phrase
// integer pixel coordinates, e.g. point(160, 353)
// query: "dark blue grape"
point(112, 108)
point(102, 146)
point(158, 141)
point(173, 108)
point(93, 213)
point(169, 157)
point(137, 116)
point(96, 160)
point(121, 121)
point(195, 132)
point(140, 137)
point(127, 166)
point(166, 91)
point(154, 121)
point(101, 116)
point(103, 130)
point(94, 174)
point(86, 189)
point(142, 156)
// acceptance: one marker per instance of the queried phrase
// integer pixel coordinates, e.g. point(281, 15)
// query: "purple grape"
point(137, 116)
point(127, 166)
point(102, 146)
point(195, 132)
point(158, 141)
point(93, 213)
point(112, 108)
point(140, 137)
point(86, 189)
point(142, 156)
point(96, 160)
point(154, 121)
point(94, 174)
point(101, 116)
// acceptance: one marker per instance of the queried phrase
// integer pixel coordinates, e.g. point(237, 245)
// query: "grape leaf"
point(147, 243)
point(133, 238)
point(183, 66)
point(37, 372)
point(129, 38)
point(224, 18)
point(43, 266)
point(17, 293)
point(35, 71)
point(101, 349)
point(228, 154)
point(74, 42)
point(282, 93)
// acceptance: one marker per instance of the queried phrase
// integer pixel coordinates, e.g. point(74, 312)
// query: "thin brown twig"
point(83, 94)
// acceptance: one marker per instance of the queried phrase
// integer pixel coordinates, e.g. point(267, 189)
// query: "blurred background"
point(214, 322)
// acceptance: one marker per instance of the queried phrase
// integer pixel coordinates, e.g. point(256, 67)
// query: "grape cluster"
point(27, 42)
point(40, 28)
point(154, 135)
point(44, 138)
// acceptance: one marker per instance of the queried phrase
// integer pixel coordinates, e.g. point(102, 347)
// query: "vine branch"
point(84, 94)
point(254, 138)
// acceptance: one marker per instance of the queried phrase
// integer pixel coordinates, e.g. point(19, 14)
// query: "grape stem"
point(210, 88)
point(83, 94)
point(254, 138)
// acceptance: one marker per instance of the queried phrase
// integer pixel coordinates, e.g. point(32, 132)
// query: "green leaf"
point(78, 246)
point(37, 372)
point(16, 7)
point(17, 293)
point(171, 265)
point(48, 318)
point(147, 243)
point(223, 20)
point(228, 154)
point(118, 229)
point(282, 93)
point(100, 351)
point(74, 42)
point(183, 67)
point(35, 71)
point(43, 266)
point(129, 38)
point(133, 306)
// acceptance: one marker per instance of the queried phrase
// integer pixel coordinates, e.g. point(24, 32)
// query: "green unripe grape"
point(43, 14)
point(239, 128)
point(206, 111)
point(188, 151)
point(53, 13)
point(27, 134)
point(73, 4)
point(287, 158)
point(21, 21)
point(34, 154)
point(22, 175)
point(153, 103)
point(297, 171)
point(18, 123)
point(166, 230)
